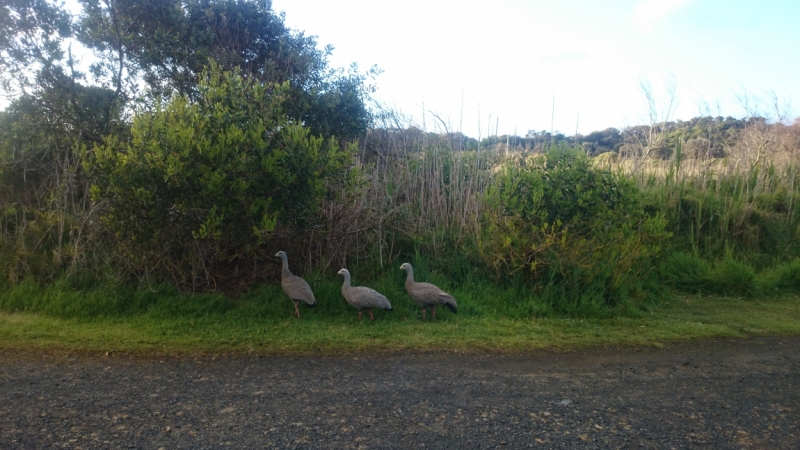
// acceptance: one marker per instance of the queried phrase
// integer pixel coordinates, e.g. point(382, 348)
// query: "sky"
point(509, 66)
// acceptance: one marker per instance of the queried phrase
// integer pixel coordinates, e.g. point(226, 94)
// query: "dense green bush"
point(575, 232)
point(205, 182)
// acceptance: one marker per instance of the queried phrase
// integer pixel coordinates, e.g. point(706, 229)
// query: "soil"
point(714, 394)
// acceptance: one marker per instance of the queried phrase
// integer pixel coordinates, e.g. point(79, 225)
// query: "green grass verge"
point(246, 328)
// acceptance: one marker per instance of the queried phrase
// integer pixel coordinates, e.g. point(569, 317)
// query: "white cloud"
point(648, 12)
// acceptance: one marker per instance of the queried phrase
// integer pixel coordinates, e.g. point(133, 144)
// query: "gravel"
point(715, 394)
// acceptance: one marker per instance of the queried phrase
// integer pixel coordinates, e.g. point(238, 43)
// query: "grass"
point(262, 324)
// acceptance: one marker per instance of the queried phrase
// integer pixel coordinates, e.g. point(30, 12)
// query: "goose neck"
point(286, 272)
point(346, 276)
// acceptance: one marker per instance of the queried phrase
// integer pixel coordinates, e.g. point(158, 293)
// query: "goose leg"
point(359, 315)
point(433, 310)
point(423, 313)
point(297, 309)
point(370, 315)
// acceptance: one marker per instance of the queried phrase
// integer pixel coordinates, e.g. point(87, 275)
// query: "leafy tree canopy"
point(170, 42)
point(165, 45)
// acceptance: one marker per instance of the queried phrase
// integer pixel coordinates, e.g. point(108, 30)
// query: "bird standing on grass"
point(361, 297)
point(426, 294)
point(295, 287)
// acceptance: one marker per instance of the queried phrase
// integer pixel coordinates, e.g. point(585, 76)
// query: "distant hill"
point(700, 137)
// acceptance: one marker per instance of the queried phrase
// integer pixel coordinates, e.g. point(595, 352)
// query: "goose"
point(426, 294)
point(361, 297)
point(295, 287)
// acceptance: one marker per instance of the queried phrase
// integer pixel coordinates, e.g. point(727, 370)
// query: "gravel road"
point(717, 394)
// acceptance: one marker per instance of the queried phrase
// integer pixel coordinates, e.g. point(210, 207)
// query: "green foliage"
point(728, 276)
point(783, 278)
point(164, 320)
point(59, 114)
point(66, 300)
point(700, 137)
point(204, 182)
point(170, 42)
point(686, 272)
point(38, 72)
point(575, 232)
point(30, 35)
point(595, 143)
point(754, 218)
point(42, 191)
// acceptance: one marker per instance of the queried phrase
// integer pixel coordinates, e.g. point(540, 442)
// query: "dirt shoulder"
point(715, 394)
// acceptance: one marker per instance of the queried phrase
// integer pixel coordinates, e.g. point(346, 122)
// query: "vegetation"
point(576, 232)
point(204, 182)
point(65, 139)
point(167, 321)
point(116, 202)
point(706, 137)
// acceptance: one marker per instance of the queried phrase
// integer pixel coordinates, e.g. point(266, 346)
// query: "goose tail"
point(450, 302)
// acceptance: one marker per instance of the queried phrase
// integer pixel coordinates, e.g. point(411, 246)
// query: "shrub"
point(731, 277)
point(575, 232)
point(686, 272)
point(690, 273)
point(781, 278)
point(203, 182)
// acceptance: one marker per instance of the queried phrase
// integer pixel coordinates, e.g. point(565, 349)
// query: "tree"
point(31, 32)
point(170, 42)
point(39, 71)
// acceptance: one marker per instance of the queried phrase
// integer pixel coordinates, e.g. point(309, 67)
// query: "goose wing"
point(363, 297)
point(298, 289)
point(429, 294)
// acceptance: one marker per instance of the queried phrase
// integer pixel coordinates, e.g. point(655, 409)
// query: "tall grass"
point(432, 188)
point(749, 215)
point(734, 219)
point(741, 203)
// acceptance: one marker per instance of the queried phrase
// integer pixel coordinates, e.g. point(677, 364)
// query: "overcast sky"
point(511, 58)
